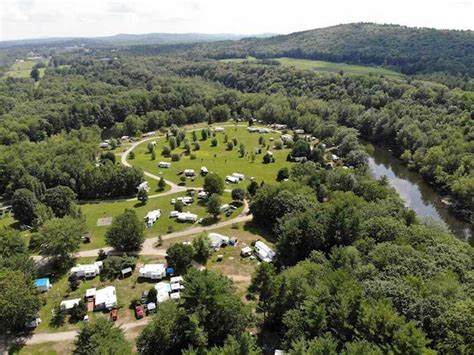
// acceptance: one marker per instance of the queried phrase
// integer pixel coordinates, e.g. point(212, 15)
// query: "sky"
point(20, 19)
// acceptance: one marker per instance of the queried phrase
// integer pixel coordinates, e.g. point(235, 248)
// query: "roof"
point(126, 270)
point(217, 239)
point(152, 268)
point(176, 279)
point(91, 292)
point(151, 306)
point(107, 296)
point(68, 304)
point(44, 282)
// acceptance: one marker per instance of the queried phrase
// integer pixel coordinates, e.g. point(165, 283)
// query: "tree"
point(161, 184)
point(267, 158)
point(230, 145)
point(23, 203)
point(283, 174)
point(242, 150)
point(153, 155)
point(213, 184)
point(238, 194)
point(113, 265)
point(78, 311)
point(202, 248)
point(61, 199)
point(142, 196)
point(173, 143)
point(59, 316)
point(301, 149)
point(214, 205)
point(179, 256)
point(19, 301)
point(214, 142)
point(60, 238)
point(35, 74)
point(166, 151)
point(204, 134)
point(194, 136)
point(178, 206)
point(101, 336)
point(126, 232)
point(263, 282)
point(252, 188)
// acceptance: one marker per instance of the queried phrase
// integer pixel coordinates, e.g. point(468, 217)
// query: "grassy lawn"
point(217, 159)
point(127, 290)
point(23, 69)
point(323, 66)
point(94, 211)
point(49, 348)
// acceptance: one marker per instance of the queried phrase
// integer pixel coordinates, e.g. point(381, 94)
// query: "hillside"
point(408, 50)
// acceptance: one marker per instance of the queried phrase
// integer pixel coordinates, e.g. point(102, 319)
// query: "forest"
point(356, 271)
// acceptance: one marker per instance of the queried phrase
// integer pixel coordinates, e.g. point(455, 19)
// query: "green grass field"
point(217, 159)
point(23, 69)
point(323, 66)
point(94, 211)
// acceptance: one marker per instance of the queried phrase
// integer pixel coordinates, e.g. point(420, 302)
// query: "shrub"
point(113, 266)
point(214, 142)
point(192, 157)
point(175, 157)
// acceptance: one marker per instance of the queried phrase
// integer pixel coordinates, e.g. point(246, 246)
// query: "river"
point(417, 193)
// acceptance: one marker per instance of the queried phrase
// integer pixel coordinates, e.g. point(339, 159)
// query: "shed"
point(43, 284)
point(247, 251)
point(126, 272)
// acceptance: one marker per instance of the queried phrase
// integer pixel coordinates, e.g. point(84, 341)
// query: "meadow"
point(217, 159)
point(23, 69)
point(323, 66)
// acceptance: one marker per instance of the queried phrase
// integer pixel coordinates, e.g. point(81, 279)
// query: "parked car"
point(139, 313)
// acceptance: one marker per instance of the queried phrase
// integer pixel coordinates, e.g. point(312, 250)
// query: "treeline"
point(408, 50)
point(70, 160)
point(356, 272)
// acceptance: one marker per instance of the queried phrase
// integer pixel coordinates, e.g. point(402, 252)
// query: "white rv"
point(187, 217)
point(164, 164)
point(232, 179)
point(152, 271)
point(151, 217)
point(189, 172)
point(87, 270)
point(239, 176)
point(264, 252)
point(218, 129)
point(105, 298)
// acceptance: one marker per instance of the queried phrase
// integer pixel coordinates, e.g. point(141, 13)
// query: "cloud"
point(120, 7)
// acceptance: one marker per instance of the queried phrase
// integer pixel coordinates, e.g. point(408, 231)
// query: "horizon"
point(34, 19)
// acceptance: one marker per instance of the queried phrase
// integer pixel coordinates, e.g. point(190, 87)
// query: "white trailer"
point(152, 271)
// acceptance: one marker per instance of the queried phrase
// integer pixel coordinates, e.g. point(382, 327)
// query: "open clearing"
point(94, 211)
point(217, 159)
point(323, 66)
point(23, 69)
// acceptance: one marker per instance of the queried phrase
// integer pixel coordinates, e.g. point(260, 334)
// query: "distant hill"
point(130, 39)
point(409, 50)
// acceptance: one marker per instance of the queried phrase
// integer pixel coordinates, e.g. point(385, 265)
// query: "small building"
point(189, 172)
point(164, 164)
point(232, 179)
point(187, 217)
point(105, 299)
point(218, 129)
point(42, 284)
point(264, 252)
point(218, 240)
point(152, 271)
point(244, 252)
point(126, 272)
point(151, 217)
point(69, 304)
point(87, 270)
point(143, 186)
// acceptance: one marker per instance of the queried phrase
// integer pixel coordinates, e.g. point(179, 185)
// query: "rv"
point(202, 195)
point(164, 164)
point(232, 179)
point(152, 271)
point(218, 129)
point(151, 217)
point(204, 171)
point(238, 176)
point(263, 251)
point(189, 172)
point(105, 299)
point(143, 186)
point(87, 270)
point(187, 217)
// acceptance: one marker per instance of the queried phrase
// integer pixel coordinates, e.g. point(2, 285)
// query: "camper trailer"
point(152, 271)
point(187, 217)
point(87, 270)
point(151, 217)
point(232, 179)
point(105, 299)
point(164, 164)
point(189, 172)
point(263, 252)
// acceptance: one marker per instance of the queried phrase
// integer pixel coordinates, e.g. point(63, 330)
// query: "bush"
point(113, 266)
point(202, 248)
point(238, 194)
point(192, 157)
point(175, 157)
point(78, 312)
point(166, 151)
point(131, 155)
point(197, 146)
point(214, 142)
point(230, 145)
point(178, 206)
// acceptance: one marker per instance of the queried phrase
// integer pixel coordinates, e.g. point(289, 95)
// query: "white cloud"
point(48, 18)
